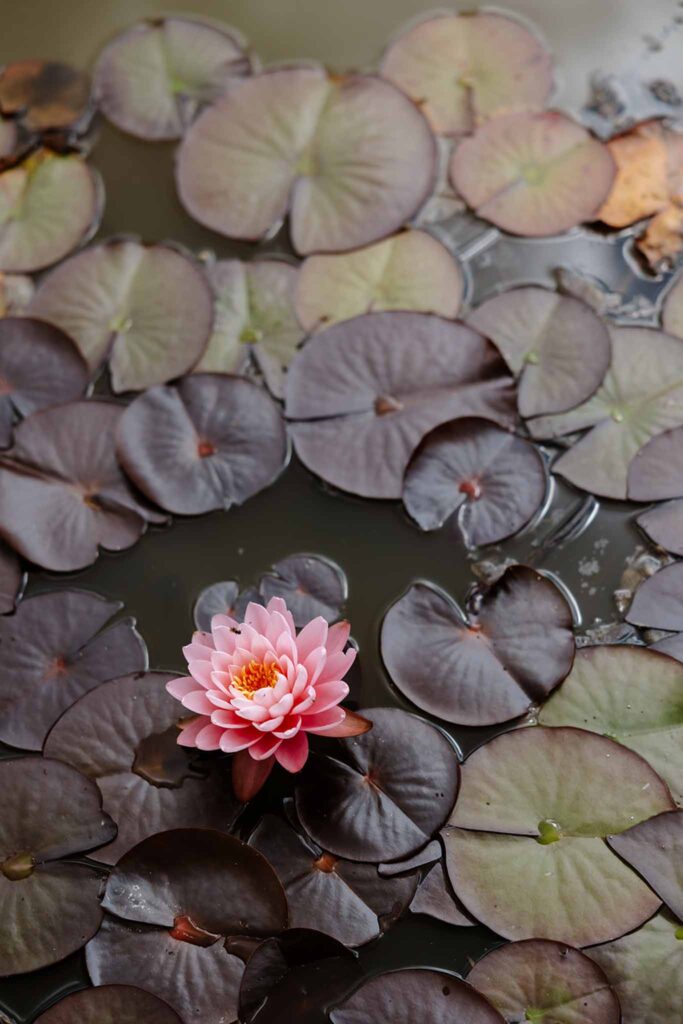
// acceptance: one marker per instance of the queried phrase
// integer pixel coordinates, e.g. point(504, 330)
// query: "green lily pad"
point(641, 396)
point(526, 850)
point(631, 694)
point(411, 270)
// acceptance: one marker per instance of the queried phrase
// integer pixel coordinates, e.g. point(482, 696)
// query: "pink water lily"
point(259, 688)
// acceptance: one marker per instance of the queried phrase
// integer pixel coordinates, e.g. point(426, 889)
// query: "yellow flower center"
point(255, 676)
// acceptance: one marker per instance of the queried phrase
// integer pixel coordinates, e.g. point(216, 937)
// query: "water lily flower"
point(258, 689)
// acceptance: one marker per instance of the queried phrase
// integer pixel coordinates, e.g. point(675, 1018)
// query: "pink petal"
point(337, 636)
point(329, 694)
point(337, 666)
point(217, 698)
point(197, 652)
point(315, 663)
point(248, 775)
point(292, 754)
point(221, 621)
point(265, 747)
point(285, 646)
point(277, 604)
point(301, 681)
point(324, 721)
point(270, 724)
point(305, 703)
point(190, 730)
point(201, 671)
point(353, 725)
point(197, 701)
point(292, 725)
point(221, 661)
point(314, 634)
point(257, 616)
point(224, 638)
point(179, 688)
point(277, 626)
point(238, 739)
point(228, 719)
point(282, 706)
point(251, 712)
point(209, 738)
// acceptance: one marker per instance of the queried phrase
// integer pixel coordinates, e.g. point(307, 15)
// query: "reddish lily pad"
point(254, 315)
point(298, 140)
point(152, 79)
point(11, 578)
point(310, 584)
point(646, 971)
point(55, 648)
point(631, 694)
point(148, 309)
point(39, 366)
point(656, 471)
point(346, 900)
point(658, 601)
point(527, 855)
point(410, 270)
point(46, 95)
point(110, 1004)
point(402, 997)
point(211, 442)
point(555, 345)
point(489, 664)
point(480, 479)
point(462, 69)
point(533, 174)
point(638, 399)
point(384, 804)
point(537, 980)
point(50, 907)
point(435, 898)
point(376, 385)
point(655, 849)
point(123, 734)
point(62, 492)
point(49, 205)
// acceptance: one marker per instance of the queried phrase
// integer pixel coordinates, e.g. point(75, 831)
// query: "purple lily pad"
point(224, 598)
point(555, 345)
point(384, 804)
point(480, 479)
point(511, 648)
point(658, 601)
point(55, 648)
point(298, 140)
point(537, 980)
point(60, 200)
point(110, 1004)
point(46, 95)
point(656, 471)
point(62, 491)
point(671, 645)
point(528, 856)
point(39, 367)
point(11, 578)
point(310, 584)
point(50, 907)
point(462, 69)
point(533, 174)
point(663, 524)
point(349, 901)
point(655, 849)
point(410, 995)
point(435, 898)
point(123, 735)
point(366, 391)
point(151, 79)
point(147, 309)
point(211, 442)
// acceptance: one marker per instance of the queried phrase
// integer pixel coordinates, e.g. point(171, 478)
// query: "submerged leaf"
point(46, 95)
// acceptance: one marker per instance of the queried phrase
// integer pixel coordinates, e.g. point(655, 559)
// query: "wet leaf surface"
point(147, 309)
point(489, 665)
point(46, 95)
point(464, 69)
point(49, 908)
point(545, 981)
point(151, 79)
point(300, 141)
point(658, 601)
point(632, 695)
point(475, 477)
point(55, 648)
point(555, 345)
point(366, 391)
point(211, 442)
point(380, 806)
point(655, 849)
point(110, 1004)
point(124, 735)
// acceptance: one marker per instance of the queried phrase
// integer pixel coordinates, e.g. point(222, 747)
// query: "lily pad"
point(672, 309)
point(537, 980)
point(655, 849)
point(533, 174)
point(211, 442)
point(656, 471)
point(485, 665)
point(366, 391)
point(54, 649)
point(555, 345)
point(394, 793)
point(298, 140)
point(465, 68)
point(402, 997)
point(224, 598)
point(46, 95)
point(11, 578)
point(49, 205)
point(254, 314)
point(658, 601)
point(62, 492)
point(39, 366)
point(349, 901)
point(480, 479)
point(527, 855)
point(646, 971)
point(16, 291)
point(148, 309)
point(310, 584)
point(50, 907)
point(631, 694)
point(110, 1004)
point(410, 270)
point(639, 398)
point(151, 79)
point(123, 735)
point(9, 138)
point(435, 898)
